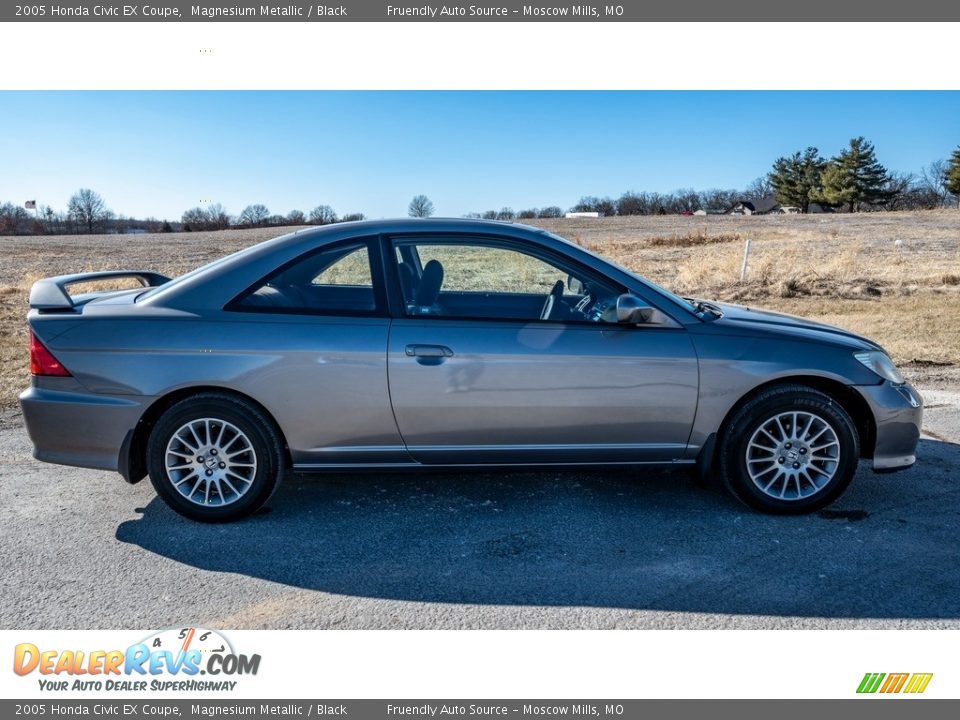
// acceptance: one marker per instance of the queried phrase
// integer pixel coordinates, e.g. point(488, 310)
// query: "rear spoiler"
point(51, 293)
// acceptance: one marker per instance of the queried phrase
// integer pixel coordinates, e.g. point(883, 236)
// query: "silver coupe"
point(413, 343)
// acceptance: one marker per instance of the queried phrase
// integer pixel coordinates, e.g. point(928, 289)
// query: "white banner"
point(505, 664)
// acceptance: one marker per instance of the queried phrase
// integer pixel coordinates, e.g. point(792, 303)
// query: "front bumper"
point(69, 426)
point(898, 413)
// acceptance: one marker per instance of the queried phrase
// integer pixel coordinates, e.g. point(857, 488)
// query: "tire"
point(215, 458)
point(771, 459)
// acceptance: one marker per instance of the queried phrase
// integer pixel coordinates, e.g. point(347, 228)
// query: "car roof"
point(393, 225)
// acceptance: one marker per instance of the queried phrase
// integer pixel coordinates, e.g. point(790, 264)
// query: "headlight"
point(881, 365)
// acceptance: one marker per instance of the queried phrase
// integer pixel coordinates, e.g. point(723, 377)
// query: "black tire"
point(264, 442)
point(746, 420)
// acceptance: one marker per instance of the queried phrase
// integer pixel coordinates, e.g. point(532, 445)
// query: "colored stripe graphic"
point(918, 683)
point(870, 682)
point(894, 683)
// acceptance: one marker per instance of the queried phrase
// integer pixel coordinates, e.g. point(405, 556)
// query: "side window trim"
point(380, 309)
point(393, 242)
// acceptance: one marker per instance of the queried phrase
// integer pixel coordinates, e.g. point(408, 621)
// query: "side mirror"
point(631, 310)
point(574, 285)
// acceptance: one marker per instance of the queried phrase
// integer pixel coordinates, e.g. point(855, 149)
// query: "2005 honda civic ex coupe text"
point(453, 343)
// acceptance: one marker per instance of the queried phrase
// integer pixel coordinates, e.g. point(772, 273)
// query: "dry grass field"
point(846, 270)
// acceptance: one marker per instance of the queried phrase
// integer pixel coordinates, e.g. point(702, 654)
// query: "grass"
point(894, 277)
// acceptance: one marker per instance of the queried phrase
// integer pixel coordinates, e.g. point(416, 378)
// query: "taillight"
point(42, 361)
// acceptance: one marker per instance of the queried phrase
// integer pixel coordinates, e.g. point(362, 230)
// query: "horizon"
point(160, 153)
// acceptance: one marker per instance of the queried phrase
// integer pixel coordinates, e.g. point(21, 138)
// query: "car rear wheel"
point(214, 458)
point(789, 450)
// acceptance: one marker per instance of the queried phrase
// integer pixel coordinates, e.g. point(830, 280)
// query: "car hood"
point(789, 325)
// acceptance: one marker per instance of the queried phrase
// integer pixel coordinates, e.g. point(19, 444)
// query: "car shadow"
point(620, 539)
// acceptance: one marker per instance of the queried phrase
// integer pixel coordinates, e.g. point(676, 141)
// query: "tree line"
point(87, 213)
point(852, 181)
point(215, 217)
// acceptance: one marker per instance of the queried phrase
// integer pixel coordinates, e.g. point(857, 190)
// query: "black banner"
point(493, 11)
point(853, 709)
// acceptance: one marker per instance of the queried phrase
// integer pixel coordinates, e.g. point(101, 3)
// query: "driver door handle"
point(429, 351)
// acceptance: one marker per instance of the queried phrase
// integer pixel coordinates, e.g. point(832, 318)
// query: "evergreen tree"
point(796, 179)
point(855, 177)
point(952, 178)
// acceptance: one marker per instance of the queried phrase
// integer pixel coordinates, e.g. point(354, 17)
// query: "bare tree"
point(506, 214)
point(552, 211)
point(87, 209)
point(51, 220)
point(604, 206)
point(296, 217)
point(254, 215)
point(218, 217)
point(420, 207)
point(933, 181)
point(903, 193)
point(195, 218)
point(631, 203)
point(353, 217)
point(687, 200)
point(322, 215)
point(527, 214)
point(759, 188)
point(13, 219)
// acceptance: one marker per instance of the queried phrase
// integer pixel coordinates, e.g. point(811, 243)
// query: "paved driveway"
point(82, 549)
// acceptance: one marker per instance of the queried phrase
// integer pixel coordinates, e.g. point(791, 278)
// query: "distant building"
point(582, 215)
point(762, 206)
point(700, 212)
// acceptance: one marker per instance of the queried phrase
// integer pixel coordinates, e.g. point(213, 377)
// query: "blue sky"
point(159, 153)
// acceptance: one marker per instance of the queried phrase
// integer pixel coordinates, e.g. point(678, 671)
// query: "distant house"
point(700, 212)
point(763, 206)
point(582, 215)
point(818, 209)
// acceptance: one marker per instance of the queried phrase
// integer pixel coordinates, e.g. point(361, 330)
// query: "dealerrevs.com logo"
point(169, 660)
point(910, 683)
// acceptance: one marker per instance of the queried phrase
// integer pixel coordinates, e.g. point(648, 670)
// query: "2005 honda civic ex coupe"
point(414, 343)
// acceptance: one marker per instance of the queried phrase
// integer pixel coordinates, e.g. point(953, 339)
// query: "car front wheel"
point(789, 450)
point(214, 458)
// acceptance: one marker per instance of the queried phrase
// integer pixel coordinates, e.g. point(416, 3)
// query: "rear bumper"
point(68, 427)
point(898, 412)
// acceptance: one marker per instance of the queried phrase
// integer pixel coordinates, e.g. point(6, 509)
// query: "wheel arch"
point(132, 463)
point(844, 395)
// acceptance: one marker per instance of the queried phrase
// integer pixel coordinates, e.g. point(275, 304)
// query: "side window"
point(330, 282)
point(493, 281)
point(351, 269)
point(477, 268)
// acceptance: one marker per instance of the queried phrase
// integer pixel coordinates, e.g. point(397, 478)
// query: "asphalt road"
point(82, 549)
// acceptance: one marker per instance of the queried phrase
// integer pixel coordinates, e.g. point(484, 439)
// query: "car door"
point(476, 376)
